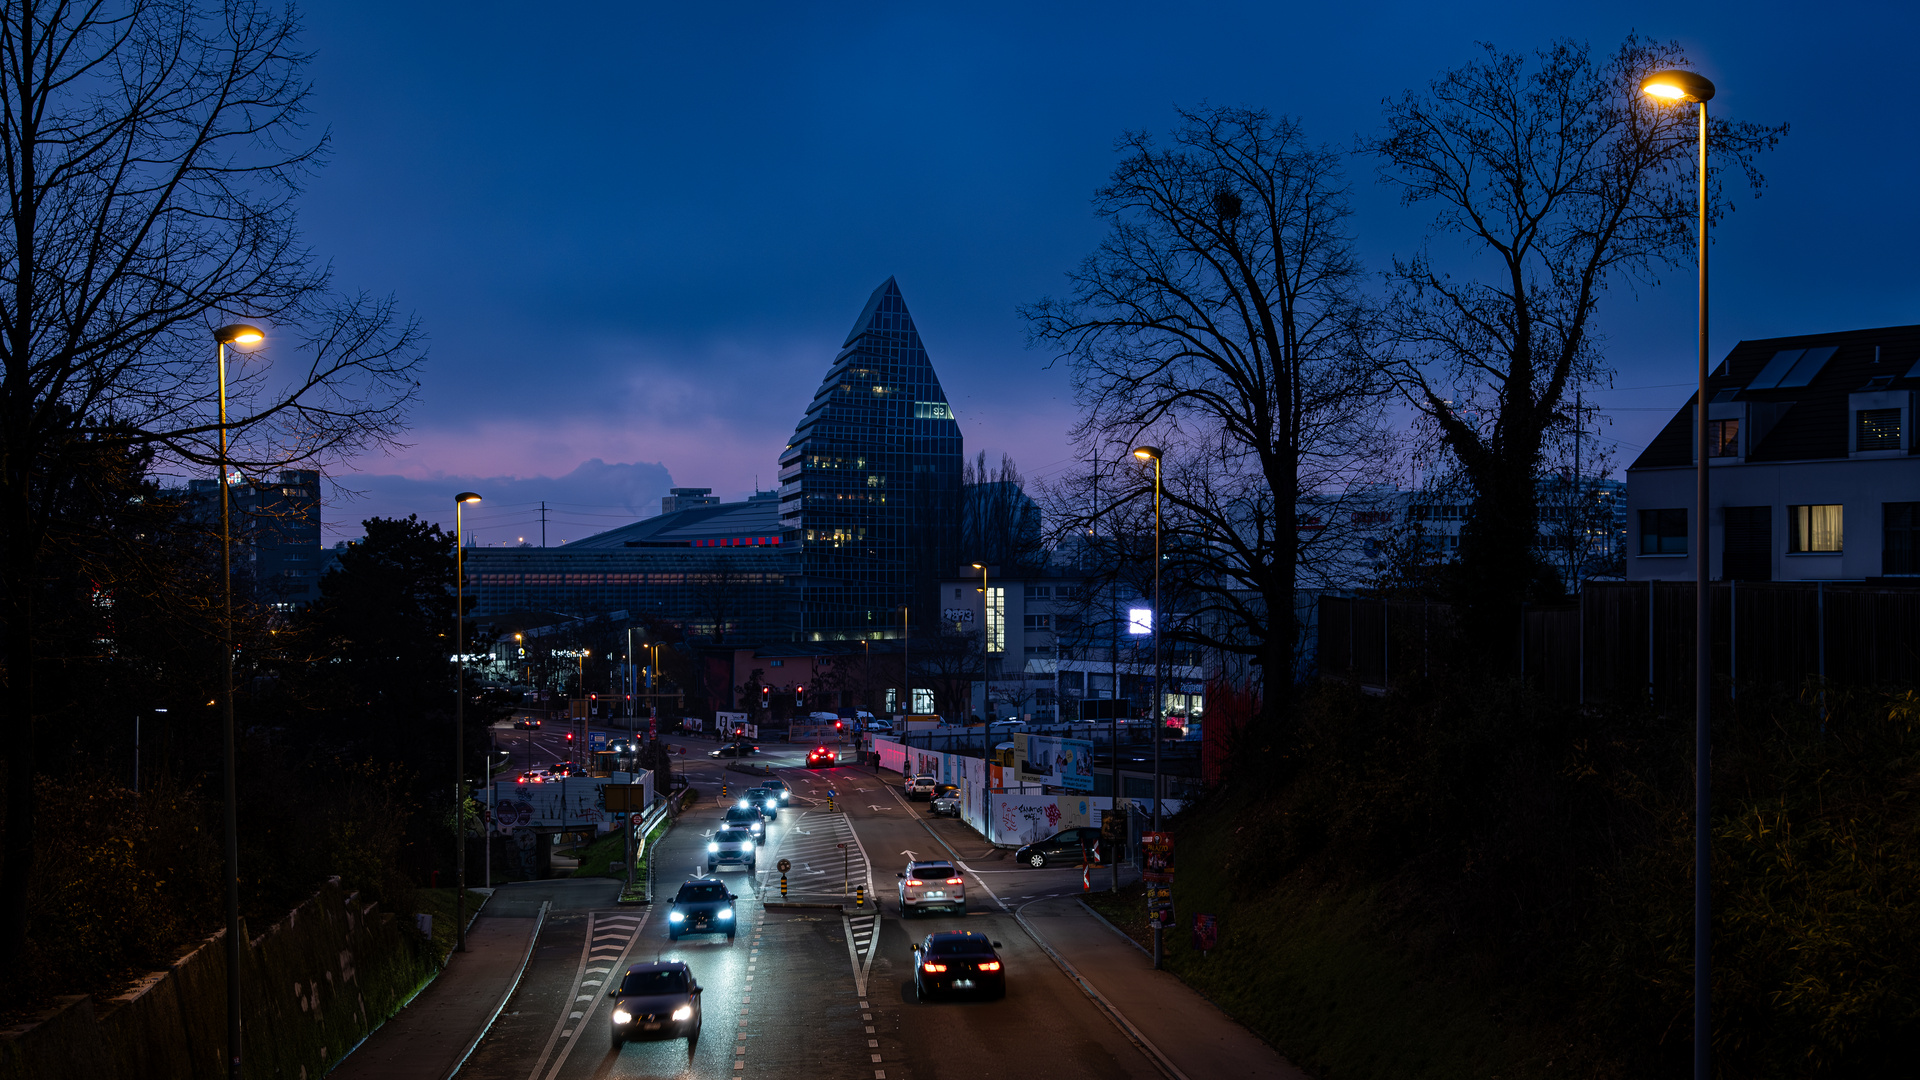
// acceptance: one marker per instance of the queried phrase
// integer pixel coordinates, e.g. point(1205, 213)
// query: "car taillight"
point(955, 881)
point(915, 882)
point(991, 965)
point(933, 967)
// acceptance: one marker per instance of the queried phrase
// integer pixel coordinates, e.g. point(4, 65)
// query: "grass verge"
point(439, 904)
point(596, 859)
point(1316, 973)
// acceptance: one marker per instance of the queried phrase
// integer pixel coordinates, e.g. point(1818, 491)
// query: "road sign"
point(1206, 933)
point(784, 865)
point(596, 741)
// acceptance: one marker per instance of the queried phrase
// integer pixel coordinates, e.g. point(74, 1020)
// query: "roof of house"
point(1808, 378)
point(753, 523)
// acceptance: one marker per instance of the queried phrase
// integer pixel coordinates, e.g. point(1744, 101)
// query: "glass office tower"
point(870, 484)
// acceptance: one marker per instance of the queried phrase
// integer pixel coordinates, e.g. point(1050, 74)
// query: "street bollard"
point(783, 886)
point(723, 790)
point(859, 896)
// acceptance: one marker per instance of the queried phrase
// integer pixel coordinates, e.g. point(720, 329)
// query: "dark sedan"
point(734, 750)
point(958, 962)
point(702, 906)
point(657, 1001)
point(1069, 847)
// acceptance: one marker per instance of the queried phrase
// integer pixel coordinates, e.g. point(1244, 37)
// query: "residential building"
point(1814, 471)
point(275, 522)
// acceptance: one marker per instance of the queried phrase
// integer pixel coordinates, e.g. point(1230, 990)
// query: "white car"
point(732, 846)
point(926, 885)
point(918, 787)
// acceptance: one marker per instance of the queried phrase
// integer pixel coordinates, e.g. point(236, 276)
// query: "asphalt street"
point(805, 990)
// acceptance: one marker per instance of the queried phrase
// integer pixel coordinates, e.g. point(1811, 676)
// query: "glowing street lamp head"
point(1147, 453)
point(239, 334)
point(1677, 86)
point(977, 566)
point(466, 497)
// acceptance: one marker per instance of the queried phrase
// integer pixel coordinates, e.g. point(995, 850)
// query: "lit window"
point(1723, 438)
point(1877, 429)
point(1663, 532)
point(1813, 528)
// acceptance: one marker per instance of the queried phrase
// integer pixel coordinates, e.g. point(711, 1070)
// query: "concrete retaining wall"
point(313, 986)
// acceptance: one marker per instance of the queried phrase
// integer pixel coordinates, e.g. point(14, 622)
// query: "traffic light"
point(569, 736)
point(839, 725)
point(799, 695)
point(766, 697)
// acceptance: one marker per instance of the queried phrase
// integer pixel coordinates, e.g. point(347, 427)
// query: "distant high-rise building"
point(687, 498)
point(870, 483)
point(276, 532)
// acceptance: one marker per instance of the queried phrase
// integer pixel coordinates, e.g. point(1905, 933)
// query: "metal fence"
point(1637, 638)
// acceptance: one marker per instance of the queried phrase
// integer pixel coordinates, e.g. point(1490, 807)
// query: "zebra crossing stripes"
point(823, 870)
point(861, 928)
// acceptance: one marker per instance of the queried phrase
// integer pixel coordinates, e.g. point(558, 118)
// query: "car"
point(539, 774)
point(746, 817)
point(928, 884)
point(947, 805)
point(657, 1001)
point(821, 758)
point(943, 789)
point(526, 723)
point(882, 726)
point(763, 802)
point(919, 787)
point(702, 906)
point(1069, 846)
point(958, 962)
point(562, 768)
point(734, 750)
point(780, 788)
point(732, 845)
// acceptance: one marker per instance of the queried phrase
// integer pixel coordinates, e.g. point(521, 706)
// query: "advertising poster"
point(567, 803)
point(1062, 763)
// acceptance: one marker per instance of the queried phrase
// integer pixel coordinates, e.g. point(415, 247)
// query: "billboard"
point(1013, 820)
point(1063, 763)
point(569, 802)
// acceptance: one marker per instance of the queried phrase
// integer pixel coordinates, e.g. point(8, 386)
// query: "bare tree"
point(949, 661)
point(152, 151)
point(1220, 320)
point(999, 522)
point(1561, 177)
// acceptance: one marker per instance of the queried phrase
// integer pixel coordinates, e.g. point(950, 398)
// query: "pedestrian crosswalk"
point(827, 863)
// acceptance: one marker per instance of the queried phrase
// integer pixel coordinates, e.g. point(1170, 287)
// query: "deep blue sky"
point(638, 233)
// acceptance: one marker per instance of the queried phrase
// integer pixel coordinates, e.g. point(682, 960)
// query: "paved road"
point(807, 992)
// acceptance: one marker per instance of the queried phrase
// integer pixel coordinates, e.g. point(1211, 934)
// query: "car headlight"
point(684, 1012)
point(783, 796)
point(756, 826)
point(742, 804)
point(727, 914)
point(622, 1016)
point(713, 847)
point(676, 917)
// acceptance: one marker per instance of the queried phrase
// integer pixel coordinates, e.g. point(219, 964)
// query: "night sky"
point(637, 234)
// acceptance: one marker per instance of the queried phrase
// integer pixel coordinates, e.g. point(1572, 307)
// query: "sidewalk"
point(1183, 1031)
point(433, 1034)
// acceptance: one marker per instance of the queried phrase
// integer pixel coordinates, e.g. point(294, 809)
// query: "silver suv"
point(926, 885)
point(732, 846)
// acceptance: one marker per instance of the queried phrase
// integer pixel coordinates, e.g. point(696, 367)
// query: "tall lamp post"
point(236, 334)
point(986, 646)
point(1678, 87)
point(1153, 453)
point(460, 502)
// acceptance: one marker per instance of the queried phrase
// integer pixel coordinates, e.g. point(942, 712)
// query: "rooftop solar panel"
point(1792, 367)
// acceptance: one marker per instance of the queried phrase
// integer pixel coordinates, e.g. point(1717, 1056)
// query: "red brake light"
point(991, 965)
point(955, 881)
point(914, 881)
point(933, 967)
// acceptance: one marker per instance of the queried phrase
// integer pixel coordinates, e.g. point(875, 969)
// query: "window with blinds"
point(1813, 528)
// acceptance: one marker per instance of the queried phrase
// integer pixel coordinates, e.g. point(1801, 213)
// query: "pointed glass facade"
point(870, 483)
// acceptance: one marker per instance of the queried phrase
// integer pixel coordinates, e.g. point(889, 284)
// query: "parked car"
point(1069, 846)
point(822, 758)
point(778, 787)
point(702, 906)
point(958, 962)
point(746, 817)
point(947, 805)
point(732, 846)
point(657, 1001)
point(884, 727)
point(919, 787)
point(929, 884)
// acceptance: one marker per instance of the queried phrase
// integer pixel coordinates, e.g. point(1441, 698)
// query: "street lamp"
point(1677, 87)
point(1153, 453)
point(236, 334)
point(460, 502)
point(986, 645)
